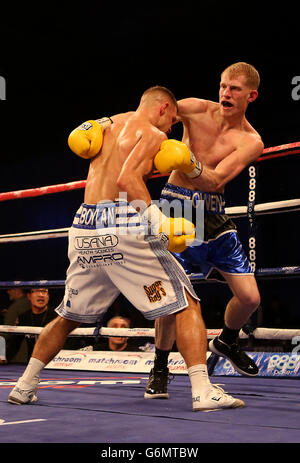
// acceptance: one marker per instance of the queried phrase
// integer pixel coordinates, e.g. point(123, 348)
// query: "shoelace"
point(219, 389)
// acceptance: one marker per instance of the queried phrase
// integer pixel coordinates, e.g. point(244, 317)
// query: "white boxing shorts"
point(110, 252)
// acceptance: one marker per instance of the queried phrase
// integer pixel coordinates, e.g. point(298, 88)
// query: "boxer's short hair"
point(245, 69)
point(161, 92)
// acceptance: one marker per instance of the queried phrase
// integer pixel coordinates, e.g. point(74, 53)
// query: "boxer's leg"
point(167, 329)
point(244, 302)
point(49, 343)
point(165, 334)
point(52, 338)
point(191, 340)
point(191, 335)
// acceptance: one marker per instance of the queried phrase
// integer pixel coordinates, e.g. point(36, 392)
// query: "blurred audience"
point(115, 343)
point(39, 314)
point(19, 304)
point(121, 343)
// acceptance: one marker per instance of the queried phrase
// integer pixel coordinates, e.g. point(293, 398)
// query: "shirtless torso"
point(129, 147)
point(224, 149)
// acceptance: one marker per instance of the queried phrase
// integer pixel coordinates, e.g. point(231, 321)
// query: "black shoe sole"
point(213, 349)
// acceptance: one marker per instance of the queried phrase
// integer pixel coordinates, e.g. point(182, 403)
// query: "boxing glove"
point(180, 232)
point(86, 140)
point(174, 155)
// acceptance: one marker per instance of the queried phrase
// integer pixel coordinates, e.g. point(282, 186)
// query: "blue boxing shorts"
point(220, 249)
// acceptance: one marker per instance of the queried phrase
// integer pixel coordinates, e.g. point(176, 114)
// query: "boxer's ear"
point(163, 108)
point(252, 96)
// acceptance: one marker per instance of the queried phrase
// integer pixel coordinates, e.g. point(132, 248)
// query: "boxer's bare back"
point(130, 145)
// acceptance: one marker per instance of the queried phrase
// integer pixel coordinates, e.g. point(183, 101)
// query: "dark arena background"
point(63, 64)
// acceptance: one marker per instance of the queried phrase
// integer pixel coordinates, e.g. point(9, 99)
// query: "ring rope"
point(41, 191)
point(288, 147)
point(50, 189)
point(194, 277)
point(35, 235)
point(279, 151)
point(277, 155)
point(258, 333)
point(290, 205)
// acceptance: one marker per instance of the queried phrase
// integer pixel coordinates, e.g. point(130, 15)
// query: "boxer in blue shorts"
point(220, 248)
point(222, 143)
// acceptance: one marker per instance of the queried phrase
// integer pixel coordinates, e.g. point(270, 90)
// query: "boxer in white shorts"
point(110, 252)
point(106, 259)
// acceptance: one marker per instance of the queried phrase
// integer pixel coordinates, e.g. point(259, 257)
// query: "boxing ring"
point(97, 397)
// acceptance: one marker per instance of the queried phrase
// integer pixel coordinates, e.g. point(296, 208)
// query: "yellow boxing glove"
point(86, 141)
point(180, 232)
point(174, 155)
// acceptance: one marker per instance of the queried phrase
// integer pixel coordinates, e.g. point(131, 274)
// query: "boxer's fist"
point(180, 232)
point(174, 155)
point(86, 140)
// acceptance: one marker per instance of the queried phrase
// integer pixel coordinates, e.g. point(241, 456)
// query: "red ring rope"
point(45, 190)
point(288, 146)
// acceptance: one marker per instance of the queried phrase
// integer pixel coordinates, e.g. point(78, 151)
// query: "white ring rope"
point(115, 332)
point(289, 205)
point(35, 235)
point(258, 333)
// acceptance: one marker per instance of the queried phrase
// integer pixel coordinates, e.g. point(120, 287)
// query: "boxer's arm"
point(232, 165)
point(174, 154)
point(190, 106)
point(86, 140)
point(138, 164)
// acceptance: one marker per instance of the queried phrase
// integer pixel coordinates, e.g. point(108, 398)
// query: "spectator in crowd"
point(116, 343)
point(3, 311)
point(120, 343)
point(39, 314)
point(19, 304)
